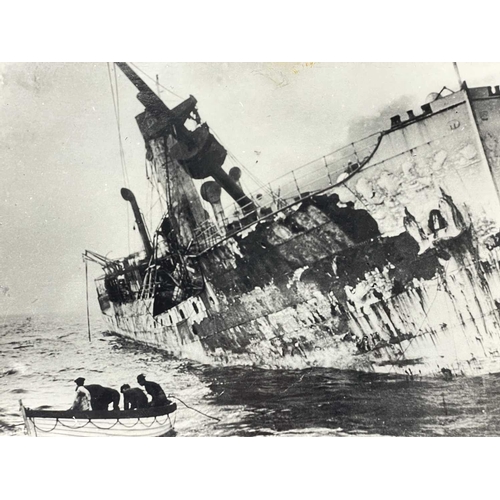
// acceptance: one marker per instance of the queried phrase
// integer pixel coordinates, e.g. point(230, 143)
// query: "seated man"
point(158, 397)
point(82, 398)
point(101, 397)
point(133, 398)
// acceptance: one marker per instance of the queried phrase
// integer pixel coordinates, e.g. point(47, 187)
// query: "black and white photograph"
point(250, 249)
point(270, 235)
point(274, 224)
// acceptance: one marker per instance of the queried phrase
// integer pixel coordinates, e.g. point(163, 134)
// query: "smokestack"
point(210, 191)
point(129, 196)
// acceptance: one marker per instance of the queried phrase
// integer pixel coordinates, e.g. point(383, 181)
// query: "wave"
point(6, 427)
point(67, 335)
point(10, 371)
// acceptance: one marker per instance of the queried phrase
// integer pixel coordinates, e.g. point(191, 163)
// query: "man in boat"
point(158, 397)
point(134, 398)
point(82, 397)
point(101, 397)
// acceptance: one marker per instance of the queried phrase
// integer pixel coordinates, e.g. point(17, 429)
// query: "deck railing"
point(310, 178)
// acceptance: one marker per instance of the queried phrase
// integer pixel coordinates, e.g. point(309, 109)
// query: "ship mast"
point(457, 73)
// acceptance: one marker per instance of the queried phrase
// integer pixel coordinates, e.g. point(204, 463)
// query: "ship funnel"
point(129, 196)
point(210, 191)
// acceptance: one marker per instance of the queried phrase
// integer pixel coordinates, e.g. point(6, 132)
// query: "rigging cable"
point(194, 409)
point(261, 186)
point(157, 82)
point(116, 106)
point(232, 156)
point(87, 294)
point(122, 151)
point(117, 116)
point(250, 174)
point(154, 185)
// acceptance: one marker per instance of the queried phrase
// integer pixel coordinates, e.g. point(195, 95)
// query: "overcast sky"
point(59, 150)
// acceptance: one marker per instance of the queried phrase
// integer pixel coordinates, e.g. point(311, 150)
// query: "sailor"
point(134, 398)
point(158, 397)
point(82, 397)
point(101, 397)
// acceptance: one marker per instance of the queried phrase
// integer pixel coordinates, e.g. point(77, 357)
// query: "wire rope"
point(155, 81)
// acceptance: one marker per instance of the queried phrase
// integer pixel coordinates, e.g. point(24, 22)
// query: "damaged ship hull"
point(392, 265)
point(443, 316)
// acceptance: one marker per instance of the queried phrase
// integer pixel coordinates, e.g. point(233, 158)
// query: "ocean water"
point(40, 357)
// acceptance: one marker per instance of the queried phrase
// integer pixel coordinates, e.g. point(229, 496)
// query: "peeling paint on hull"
point(396, 269)
point(448, 321)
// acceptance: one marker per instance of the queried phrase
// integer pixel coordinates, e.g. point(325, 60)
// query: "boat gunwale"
point(103, 414)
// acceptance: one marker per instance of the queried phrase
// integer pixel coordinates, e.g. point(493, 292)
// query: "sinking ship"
point(382, 256)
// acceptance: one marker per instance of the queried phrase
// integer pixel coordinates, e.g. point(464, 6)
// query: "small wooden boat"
point(146, 422)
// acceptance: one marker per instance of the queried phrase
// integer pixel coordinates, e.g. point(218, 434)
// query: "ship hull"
point(446, 320)
point(394, 268)
point(426, 355)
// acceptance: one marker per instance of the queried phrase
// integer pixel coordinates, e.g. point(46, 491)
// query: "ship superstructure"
point(382, 256)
